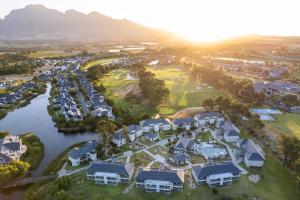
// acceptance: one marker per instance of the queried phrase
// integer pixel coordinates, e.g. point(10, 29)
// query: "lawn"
point(117, 86)
point(276, 184)
point(53, 54)
point(35, 150)
point(204, 137)
point(288, 123)
point(183, 92)
point(98, 62)
point(141, 159)
point(163, 151)
point(197, 159)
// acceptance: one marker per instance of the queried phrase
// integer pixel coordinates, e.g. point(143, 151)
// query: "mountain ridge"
point(39, 22)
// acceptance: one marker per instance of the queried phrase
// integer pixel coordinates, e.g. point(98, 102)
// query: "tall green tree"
point(106, 128)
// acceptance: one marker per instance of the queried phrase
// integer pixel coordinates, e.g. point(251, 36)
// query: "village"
point(206, 147)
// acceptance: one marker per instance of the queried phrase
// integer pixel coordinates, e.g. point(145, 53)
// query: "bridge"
point(26, 181)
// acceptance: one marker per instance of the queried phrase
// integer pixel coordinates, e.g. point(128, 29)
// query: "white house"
point(252, 153)
point(134, 131)
point(108, 173)
point(159, 180)
point(83, 154)
point(155, 125)
point(11, 147)
point(215, 174)
point(119, 138)
point(231, 132)
point(205, 118)
point(184, 123)
point(151, 136)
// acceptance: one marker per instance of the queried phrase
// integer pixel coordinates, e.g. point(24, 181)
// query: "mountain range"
point(36, 22)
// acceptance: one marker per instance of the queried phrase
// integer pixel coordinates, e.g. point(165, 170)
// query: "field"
point(183, 92)
point(288, 123)
point(53, 54)
point(117, 85)
point(97, 62)
point(276, 184)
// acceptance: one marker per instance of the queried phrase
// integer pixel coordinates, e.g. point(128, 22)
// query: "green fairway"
point(183, 92)
point(117, 85)
point(53, 54)
point(288, 123)
point(98, 62)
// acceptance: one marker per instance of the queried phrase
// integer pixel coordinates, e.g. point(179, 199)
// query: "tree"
point(289, 147)
point(106, 128)
point(208, 103)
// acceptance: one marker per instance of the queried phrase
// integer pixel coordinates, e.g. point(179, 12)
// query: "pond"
point(35, 118)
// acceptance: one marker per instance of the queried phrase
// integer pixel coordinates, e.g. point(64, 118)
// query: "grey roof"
point(148, 122)
point(232, 133)
point(121, 169)
point(204, 171)
point(251, 150)
point(181, 157)
point(134, 128)
point(13, 146)
point(76, 153)
point(171, 176)
point(4, 159)
point(150, 135)
point(118, 135)
point(187, 120)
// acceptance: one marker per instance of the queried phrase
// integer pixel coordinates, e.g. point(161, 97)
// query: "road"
point(81, 99)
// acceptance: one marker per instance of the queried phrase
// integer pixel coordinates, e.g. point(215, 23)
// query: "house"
point(182, 144)
point(205, 118)
point(155, 125)
point(119, 138)
point(11, 147)
point(215, 174)
point(134, 131)
point(252, 153)
point(83, 154)
point(159, 180)
point(151, 136)
point(108, 173)
point(184, 123)
point(180, 159)
point(4, 159)
point(231, 132)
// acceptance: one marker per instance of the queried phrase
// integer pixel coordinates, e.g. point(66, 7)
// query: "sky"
point(197, 20)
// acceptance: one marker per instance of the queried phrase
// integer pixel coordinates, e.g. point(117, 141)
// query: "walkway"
point(28, 180)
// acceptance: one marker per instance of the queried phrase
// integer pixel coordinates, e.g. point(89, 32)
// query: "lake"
point(35, 118)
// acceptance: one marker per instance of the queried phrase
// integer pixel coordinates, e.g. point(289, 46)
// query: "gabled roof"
point(204, 171)
point(4, 159)
point(171, 176)
point(181, 157)
point(77, 153)
point(187, 120)
point(134, 128)
point(118, 135)
point(121, 169)
point(148, 122)
point(12, 146)
point(204, 115)
point(252, 152)
point(151, 135)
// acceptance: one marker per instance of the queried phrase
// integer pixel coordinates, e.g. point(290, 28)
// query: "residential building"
point(251, 152)
point(108, 173)
point(134, 131)
point(83, 154)
point(119, 138)
point(184, 123)
point(160, 180)
point(182, 145)
point(155, 125)
point(231, 132)
point(215, 174)
point(151, 136)
point(11, 148)
point(211, 118)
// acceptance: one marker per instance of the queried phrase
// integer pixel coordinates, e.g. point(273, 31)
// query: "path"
point(28, 180)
